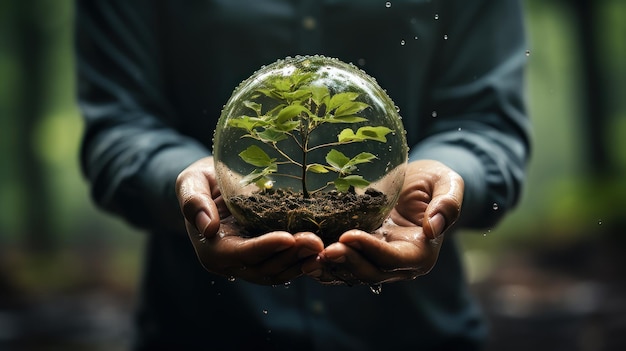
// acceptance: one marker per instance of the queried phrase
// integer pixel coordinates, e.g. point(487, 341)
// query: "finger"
point(399, 250)
point(254, 251)
point(353, 268)
point(445, 207)
point(196, 203)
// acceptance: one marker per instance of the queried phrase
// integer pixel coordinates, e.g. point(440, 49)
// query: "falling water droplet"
point(445, 37)
point(434, 114)
point(599, 222)
point(397, 108)
point(265, 312)
point(436, 16)
point(231, 279)
point(459, 129)
point(415, 37)
point(388, 4)
point(527, 53)
point(495, 206)
point(376, 288)
point(402, 42)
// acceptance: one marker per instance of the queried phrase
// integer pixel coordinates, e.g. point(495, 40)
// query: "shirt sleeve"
point(131, 152)
point(479, 126)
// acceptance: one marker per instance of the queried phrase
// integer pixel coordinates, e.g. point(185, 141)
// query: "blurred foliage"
point(563, 199)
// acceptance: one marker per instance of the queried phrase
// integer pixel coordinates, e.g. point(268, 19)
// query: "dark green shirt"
point(153, 77)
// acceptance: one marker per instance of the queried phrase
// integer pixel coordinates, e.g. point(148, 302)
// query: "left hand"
point(407, 244)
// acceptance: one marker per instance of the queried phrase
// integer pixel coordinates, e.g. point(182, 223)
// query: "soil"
point(327, 214)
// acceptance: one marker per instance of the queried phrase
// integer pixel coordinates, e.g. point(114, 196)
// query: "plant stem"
point(304, 131)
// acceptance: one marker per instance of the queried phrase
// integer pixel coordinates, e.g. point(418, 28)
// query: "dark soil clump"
point(326, 214)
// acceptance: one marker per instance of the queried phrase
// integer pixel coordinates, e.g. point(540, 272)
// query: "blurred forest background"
point(550, 277)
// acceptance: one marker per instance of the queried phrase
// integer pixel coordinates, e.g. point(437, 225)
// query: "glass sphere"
point(310, 144)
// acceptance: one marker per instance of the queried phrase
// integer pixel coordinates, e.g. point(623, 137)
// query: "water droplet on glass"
point(527, 53)
point(376, 288)
point(434, 114)
point(495, 206)
point(445, 37)
point(436, 16)
point(402, 42)
point(388, 4)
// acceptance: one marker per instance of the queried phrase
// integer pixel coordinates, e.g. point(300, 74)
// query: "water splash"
point(376, 288)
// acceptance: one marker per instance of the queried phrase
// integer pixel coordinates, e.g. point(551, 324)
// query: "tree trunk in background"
point(32, 50)
point(596, 109)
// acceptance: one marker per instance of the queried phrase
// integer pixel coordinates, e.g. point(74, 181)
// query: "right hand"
point(222, 245)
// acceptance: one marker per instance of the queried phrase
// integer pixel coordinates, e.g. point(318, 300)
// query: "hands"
point(272, 258)
point(406, 246)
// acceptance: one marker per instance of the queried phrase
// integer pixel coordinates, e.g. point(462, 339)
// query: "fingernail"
point(437, 224)
point(202, 221)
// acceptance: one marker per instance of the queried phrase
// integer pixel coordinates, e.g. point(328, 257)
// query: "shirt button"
point(309, 23)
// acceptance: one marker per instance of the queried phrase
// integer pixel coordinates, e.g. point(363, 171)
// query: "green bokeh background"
point(57, 249)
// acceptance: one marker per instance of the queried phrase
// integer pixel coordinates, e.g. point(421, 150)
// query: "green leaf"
point(298, 95)
point(286, 126)
point(254, 106)
point(364, 133)
point(300, 79)
point(255, 156)
point(340, 99)
point(290, 112)
point(363, 157)
point(319, 94)
point(350, 108)
point(282, 84)
point(347, 135)
point(258, 175)
point(345, 119)
point(272, 135)
point(373, 133)
point(343, 183)
point(317, 168)
point(272, 93)
point(244, 122)
point(337, 159)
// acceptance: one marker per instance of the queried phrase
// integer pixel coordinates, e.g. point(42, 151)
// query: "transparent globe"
point(310, 144)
